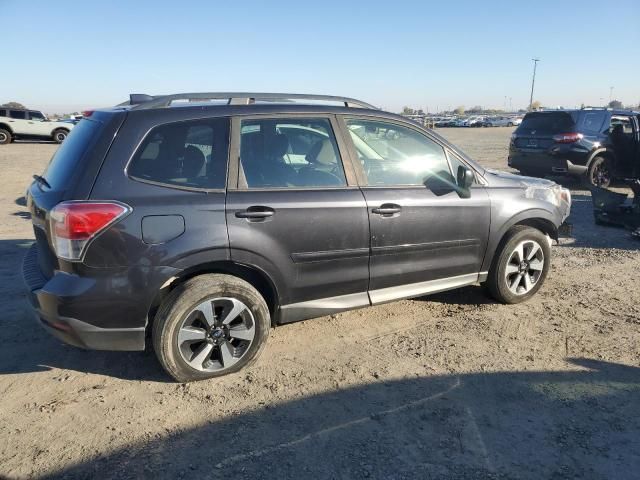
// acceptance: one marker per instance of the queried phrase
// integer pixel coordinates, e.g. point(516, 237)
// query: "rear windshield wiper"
point(42, 180)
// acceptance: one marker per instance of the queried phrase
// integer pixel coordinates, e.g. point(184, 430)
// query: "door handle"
point(387, 209)
point(256, 213)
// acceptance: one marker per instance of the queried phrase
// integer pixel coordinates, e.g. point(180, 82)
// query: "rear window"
point(546, 122)
point(18, 114)
point(66, 159)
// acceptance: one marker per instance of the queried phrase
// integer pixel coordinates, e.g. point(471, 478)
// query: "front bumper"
point(104, 312)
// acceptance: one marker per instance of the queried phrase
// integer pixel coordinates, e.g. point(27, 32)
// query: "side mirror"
point(464, 179)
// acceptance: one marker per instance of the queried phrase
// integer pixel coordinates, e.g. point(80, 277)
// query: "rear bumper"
point(98, 313)
point(545, 164)
point(84, 335)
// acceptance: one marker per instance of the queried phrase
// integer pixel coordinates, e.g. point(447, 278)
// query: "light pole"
point(533, 80)
point(510, 105)
point(610, 94)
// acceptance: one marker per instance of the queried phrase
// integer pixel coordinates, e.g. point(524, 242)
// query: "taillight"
point(567, 137)
point(75, 224)
point(87, 113)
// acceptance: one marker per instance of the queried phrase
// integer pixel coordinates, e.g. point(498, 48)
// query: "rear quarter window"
point(191, 154)
point(592, 121)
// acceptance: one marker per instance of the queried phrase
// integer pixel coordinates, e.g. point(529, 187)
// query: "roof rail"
point(141, 101)
point(588, 107)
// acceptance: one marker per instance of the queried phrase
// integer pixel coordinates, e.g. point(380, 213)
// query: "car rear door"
point(18, 122)
point(425, 236)
point(297, 214)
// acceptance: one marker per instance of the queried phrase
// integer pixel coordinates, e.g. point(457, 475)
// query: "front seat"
point(621, 145)
point(323, 168)
point(263, 161)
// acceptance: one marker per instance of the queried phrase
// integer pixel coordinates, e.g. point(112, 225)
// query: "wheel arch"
point(252, 275)
point(536, 218)
point(60, 128)
point(4, 126)
point(602, 152)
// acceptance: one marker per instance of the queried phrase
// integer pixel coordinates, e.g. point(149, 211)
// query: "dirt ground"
point(447, 386)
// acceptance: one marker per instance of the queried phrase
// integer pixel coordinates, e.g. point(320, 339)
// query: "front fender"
point(60, 125)
point(544, 220)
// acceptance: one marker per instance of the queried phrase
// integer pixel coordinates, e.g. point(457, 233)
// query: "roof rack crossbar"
point(145, 102)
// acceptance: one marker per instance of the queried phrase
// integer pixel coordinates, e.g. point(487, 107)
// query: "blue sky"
point(71, 55)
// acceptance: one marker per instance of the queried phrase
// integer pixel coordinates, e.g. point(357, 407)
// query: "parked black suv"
point(205, 223)
point(596, 144)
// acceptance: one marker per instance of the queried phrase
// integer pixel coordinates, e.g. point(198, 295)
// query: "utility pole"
point(533, 80)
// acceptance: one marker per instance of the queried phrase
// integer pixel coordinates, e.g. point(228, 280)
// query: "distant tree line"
point(13, 105)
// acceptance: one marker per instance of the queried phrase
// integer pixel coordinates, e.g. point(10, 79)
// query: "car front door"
point(296, 213)
point(425, 235)
point(37, 124)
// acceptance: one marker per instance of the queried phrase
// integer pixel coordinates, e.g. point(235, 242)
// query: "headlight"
point(556, 195)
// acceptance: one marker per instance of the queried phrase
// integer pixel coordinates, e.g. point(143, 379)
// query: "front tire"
point(60, 135)
point(5, 136)
point(210, 326)
point(521, 265)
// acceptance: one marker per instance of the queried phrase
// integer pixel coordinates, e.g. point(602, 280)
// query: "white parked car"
point(475, 121)
point(20, 123)
point(498, 122)
point(502, 122)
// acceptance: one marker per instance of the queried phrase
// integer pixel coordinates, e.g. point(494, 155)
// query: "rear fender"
point(604, 152)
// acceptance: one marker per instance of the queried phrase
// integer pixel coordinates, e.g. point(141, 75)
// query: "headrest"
point(322, 152)
point(192, 162)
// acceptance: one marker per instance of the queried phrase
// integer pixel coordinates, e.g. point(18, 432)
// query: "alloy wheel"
point(600, 175)
point(216, 334)
point(524, 267)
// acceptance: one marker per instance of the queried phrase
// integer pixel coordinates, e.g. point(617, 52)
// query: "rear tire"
point(60, 135)
point(520, 266)
point(210, 326)
point(5, 136)
point(599, 172)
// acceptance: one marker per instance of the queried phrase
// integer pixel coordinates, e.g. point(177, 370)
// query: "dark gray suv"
point(197, 222)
